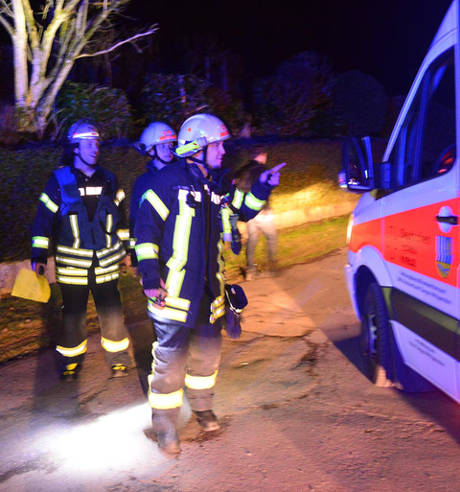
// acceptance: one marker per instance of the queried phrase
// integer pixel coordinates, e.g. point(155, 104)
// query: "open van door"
point(421, 215)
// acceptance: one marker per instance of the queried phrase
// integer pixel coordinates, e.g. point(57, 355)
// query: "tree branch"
point(120, 43)
point(8, 27)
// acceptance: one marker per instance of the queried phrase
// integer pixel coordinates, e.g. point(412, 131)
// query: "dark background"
point(386, 39)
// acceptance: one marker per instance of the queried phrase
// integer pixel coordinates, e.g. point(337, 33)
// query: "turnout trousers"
point(72, 337)
point(187, 357)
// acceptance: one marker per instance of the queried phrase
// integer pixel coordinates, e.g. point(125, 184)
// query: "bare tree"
point(47, 42)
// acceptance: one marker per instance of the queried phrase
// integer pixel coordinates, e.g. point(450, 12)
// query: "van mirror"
point(357, 165)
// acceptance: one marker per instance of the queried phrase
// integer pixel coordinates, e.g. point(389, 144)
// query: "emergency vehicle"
point(403, 268)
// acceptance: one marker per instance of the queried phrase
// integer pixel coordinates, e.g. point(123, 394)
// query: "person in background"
point(80, 214)
point(157, 142)
point(263, 223)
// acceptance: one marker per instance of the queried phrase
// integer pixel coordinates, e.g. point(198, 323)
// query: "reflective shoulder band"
point(49, 204)
point(156, 203)
point(253, 203)
point(40, 242)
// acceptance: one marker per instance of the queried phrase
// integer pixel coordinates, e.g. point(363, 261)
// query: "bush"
point(289, 102)
point(360, 104)
point(172, 98)
point(108, 107)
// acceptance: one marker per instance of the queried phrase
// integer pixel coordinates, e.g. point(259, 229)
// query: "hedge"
point(24, 174)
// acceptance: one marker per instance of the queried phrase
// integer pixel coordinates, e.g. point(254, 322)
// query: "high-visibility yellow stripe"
point(132, 242)
point(123, 234)
point(75, 230)
point(73, 251)
point(74, 261)
point(166, 312)
point(111, 259)
point(40, 242)
point(102, 252)
point(109, 269)
point(174, 282)
point(119, 197)
point(114, 346)
point(200, 382)
point(237, 199)
point(75, 272)
point(253, 203)
point(177, 302)
point(72, 351)
point(156, 202)
point(226, 226)
point(49, 204)
point(165, 401)
point(72, 280)
point(108, 237)
point(146, 251)
point(101, 279)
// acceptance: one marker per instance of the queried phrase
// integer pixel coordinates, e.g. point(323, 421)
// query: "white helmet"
point(198, 131)
point(156, 133)
point(82, 130)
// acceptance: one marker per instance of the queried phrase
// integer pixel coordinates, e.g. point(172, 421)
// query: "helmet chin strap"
point(203, 161)
point(156, 156)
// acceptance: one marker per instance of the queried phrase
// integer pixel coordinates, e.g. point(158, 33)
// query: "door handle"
point(449, 219)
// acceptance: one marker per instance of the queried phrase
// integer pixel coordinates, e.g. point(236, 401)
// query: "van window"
point(426, 145)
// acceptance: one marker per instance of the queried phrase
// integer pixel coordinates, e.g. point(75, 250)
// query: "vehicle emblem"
point(443, 255)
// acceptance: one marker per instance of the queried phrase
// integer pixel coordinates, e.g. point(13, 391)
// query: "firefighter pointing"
point(79, 215)
point(179, 248)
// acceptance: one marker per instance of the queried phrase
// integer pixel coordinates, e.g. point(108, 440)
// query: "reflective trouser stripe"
point(112, 346)
point(123, 234)
point(72, 351)
point(166, 401)
point(40, 242)
point(200, 382)
point(253, 203)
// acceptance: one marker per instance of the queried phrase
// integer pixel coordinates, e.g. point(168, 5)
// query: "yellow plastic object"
point(29, 285)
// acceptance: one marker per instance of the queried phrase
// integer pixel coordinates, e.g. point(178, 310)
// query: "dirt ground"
point(297, 413)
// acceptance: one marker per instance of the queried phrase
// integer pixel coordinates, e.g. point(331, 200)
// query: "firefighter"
point(80, 213)
point(157, 141)
point(179, 248)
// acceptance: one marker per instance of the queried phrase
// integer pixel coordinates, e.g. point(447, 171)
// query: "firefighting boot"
point(165, 430)
point(70, 372)
point(207, 420)
point(119, 371)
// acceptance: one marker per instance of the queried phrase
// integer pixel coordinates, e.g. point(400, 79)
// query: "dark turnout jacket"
point(179, 239)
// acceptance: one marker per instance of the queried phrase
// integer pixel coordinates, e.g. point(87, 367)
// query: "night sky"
point(386, 39)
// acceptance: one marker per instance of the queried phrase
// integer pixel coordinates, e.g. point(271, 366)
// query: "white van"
point(404, 235)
